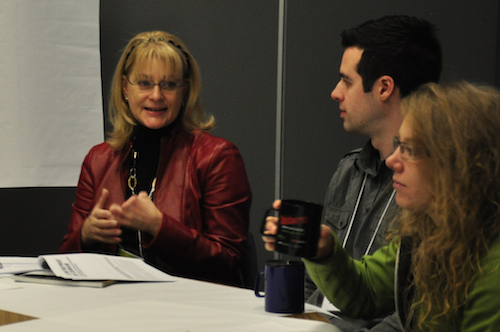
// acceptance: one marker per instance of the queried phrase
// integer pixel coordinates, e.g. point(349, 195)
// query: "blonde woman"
point(161, 187)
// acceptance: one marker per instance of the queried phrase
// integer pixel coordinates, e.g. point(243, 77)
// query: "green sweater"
point(365, 288)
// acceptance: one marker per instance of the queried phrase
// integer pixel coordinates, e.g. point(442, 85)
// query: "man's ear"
point(385, 87)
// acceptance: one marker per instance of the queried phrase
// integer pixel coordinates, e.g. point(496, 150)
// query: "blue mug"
point(283, 286)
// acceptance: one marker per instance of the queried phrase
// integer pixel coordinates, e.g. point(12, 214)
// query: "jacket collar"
point(368, 160)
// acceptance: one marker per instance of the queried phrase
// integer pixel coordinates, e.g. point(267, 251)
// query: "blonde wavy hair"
point(459, 125)
point(170, 49)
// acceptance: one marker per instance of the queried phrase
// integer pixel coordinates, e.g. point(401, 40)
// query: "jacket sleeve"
point(84, 202)
point(481, 313)
point(214, 249)
point(361, 289)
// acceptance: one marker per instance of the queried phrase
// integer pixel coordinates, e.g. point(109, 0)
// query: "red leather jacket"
point(202, 191)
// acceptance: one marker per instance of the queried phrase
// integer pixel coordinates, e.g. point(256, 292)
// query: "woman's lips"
point(155, 109)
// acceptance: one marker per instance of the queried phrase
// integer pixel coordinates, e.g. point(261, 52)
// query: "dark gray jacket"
point(359, 207)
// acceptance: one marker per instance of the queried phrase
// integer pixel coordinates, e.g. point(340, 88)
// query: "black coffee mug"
point(298, 228)
point(283, 287)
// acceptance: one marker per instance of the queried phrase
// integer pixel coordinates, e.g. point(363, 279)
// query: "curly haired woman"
point(441, 271)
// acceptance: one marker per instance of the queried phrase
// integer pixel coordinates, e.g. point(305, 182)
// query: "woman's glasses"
point(146, 86)
point(408, 151)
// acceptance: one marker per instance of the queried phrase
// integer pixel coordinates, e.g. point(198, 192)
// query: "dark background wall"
point(236, 45)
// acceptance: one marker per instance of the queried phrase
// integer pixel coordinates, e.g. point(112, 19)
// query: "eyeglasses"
point(408, 151)
point(145, 86)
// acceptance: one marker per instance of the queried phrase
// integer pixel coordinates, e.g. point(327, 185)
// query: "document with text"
point(88, 266)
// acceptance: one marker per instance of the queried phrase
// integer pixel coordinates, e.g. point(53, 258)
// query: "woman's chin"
point(155, 124)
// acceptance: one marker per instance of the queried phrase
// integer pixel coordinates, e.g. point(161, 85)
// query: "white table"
point(183, 305)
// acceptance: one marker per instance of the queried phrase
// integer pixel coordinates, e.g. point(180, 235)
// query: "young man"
point(384, 61)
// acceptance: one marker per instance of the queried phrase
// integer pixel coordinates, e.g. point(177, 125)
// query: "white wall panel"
point(50, 90)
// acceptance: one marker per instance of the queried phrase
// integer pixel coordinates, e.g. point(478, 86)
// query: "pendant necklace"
point(132, 184)
point(132, 177)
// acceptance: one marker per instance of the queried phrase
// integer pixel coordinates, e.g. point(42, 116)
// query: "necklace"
point(132, 177)
point(132, 185)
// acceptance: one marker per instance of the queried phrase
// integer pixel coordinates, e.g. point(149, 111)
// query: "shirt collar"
point(369, 161)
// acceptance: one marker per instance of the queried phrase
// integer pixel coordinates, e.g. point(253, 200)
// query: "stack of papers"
point(13, 265)
point(80, 269)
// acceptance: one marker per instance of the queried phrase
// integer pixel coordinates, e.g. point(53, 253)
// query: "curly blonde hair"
point(170, 49)
point(459, 125)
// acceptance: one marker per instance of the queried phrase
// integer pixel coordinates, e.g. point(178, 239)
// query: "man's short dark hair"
point(403, 47)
